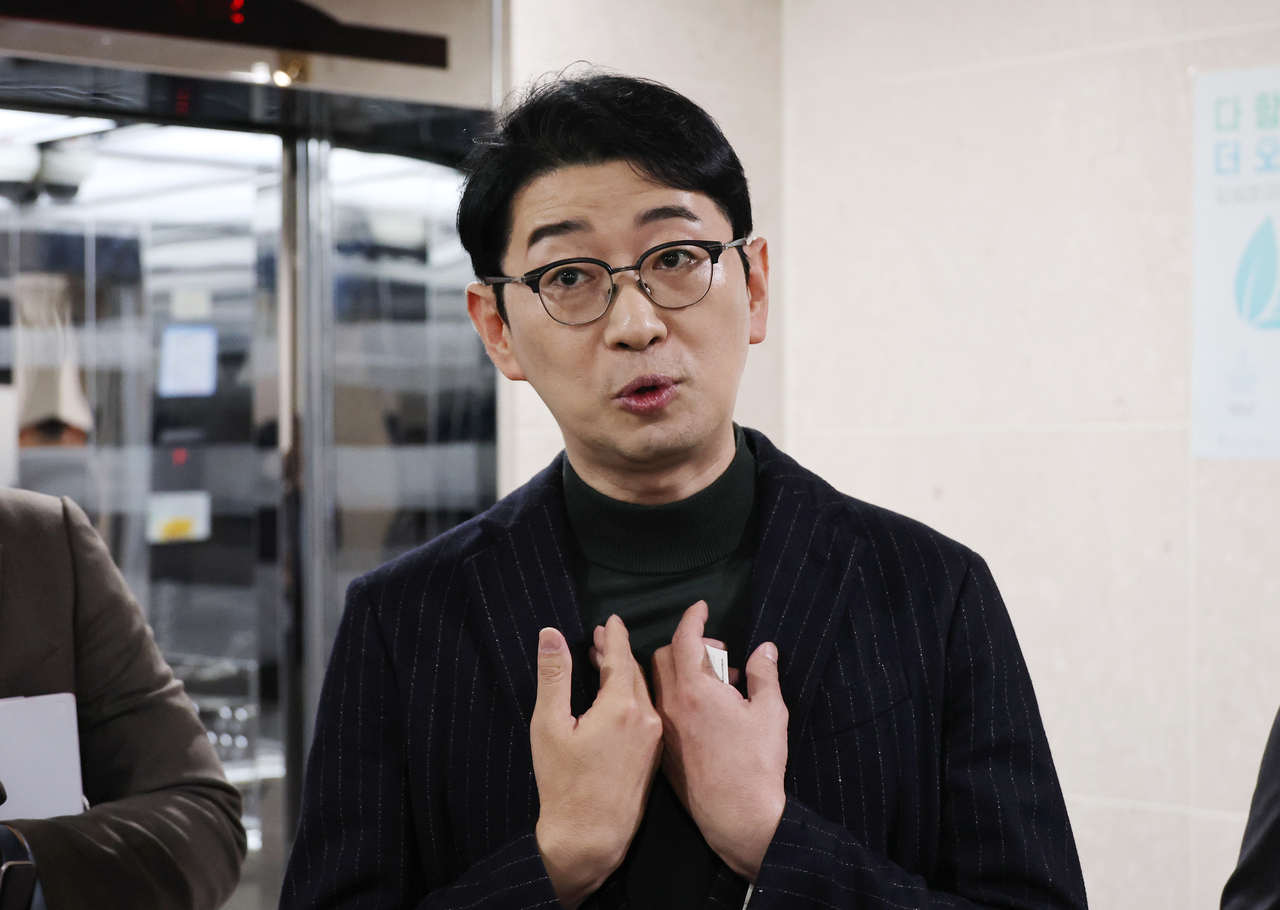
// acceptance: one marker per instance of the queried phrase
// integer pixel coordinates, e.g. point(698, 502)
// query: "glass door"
point(245, 353)
point(406, 448)
point(134, 258)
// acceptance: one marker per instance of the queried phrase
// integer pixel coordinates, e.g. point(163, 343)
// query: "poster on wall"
point(1236, 351)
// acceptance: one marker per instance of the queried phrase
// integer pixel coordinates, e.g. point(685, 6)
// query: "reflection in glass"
point(413, 391)
point(129, 276)
point(139, 375)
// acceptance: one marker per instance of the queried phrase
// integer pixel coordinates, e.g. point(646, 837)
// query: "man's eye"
point(677, 258)
point(564, 278)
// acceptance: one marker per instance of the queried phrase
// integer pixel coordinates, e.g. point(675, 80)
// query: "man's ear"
point(758, 287)
point(493, 330)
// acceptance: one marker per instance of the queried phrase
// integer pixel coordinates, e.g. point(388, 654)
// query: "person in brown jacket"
point(163, 828)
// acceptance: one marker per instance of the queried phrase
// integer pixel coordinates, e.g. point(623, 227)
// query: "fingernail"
point(771, 651)
point(547, 642)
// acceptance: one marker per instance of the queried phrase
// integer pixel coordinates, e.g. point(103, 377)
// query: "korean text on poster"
point(1236, 354)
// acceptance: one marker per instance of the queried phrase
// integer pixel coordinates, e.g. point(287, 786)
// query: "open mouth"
point(647, 394)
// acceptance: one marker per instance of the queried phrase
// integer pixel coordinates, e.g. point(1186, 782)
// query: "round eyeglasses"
point(671, 275)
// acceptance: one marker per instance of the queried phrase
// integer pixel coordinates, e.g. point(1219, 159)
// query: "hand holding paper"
point(724, 755)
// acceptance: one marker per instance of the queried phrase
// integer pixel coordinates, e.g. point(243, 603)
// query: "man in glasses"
point(531, 711)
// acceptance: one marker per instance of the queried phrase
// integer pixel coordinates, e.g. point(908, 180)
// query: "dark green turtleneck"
point(648, 564)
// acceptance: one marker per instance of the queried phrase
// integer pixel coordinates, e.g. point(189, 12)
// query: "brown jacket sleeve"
point(164, 828)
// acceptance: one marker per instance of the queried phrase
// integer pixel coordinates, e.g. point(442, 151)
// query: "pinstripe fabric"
point(919, 774)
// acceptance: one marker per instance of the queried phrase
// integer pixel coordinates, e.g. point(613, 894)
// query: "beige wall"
point(1004, 192)
point(731, 65)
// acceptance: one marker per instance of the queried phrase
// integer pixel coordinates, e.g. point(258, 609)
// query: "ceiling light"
point(62, 128)
point(288, 73)
point(18, 163)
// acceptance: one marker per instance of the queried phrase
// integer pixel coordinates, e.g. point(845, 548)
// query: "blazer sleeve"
point(1255, 883)
point(357, 843)
point(163, 830)
point(1004, 837)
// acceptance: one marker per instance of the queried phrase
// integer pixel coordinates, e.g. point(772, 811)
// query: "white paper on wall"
point(188, 361)
point(179, 517)
point(1236, 348)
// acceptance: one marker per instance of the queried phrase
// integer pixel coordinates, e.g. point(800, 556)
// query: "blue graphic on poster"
point(1256, 298)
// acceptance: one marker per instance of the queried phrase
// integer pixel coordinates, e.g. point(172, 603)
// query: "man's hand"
point(726, 756)
point(593, 772)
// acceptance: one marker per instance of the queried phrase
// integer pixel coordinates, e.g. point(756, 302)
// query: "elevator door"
point(133, 262)
point(164, 291)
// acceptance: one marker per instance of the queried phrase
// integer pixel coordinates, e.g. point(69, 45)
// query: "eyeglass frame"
point(532, 279)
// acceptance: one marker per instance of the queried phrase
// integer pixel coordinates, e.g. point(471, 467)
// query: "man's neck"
point(649, 484)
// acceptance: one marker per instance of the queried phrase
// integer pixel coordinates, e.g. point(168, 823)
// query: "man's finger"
point(615, 655)
point(660, 667)
point(762, 674)
point(555, 672)
point(687, 642)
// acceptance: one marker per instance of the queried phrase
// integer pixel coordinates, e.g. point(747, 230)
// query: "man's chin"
point(652, 446)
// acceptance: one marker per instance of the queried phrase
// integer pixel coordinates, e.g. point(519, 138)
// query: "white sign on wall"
point(1236, 355)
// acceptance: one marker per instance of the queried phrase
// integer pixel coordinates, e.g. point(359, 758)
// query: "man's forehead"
point(672, 212)
point(596, 197)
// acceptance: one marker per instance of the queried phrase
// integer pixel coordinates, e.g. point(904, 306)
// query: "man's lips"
point(647, 394)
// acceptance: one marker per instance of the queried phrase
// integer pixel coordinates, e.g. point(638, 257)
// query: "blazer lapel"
point(800, 584)
point(520, 585)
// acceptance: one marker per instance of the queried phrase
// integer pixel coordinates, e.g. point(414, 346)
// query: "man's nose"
point(633, 321)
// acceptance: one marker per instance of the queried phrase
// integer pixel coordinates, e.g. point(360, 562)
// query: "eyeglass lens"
point(579, 292)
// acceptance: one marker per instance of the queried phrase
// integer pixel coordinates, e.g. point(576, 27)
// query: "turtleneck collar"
point(673, 537)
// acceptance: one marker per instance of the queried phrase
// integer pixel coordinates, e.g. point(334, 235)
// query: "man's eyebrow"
point(663, 212)
point(555, 230)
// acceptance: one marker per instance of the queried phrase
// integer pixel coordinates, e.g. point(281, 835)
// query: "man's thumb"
point(762, 673)
point(555, 668)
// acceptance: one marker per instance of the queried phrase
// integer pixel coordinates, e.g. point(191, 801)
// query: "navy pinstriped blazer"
point(918, 771)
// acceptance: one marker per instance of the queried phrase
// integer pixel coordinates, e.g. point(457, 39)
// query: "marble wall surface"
point(1005, 190)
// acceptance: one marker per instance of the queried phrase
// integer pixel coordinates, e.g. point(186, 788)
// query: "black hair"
point(594, 118)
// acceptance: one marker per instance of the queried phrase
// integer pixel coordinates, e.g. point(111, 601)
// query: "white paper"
point(8, 436)
point(179, 517)
point(719, 662)
point(1236, 350)
point(190, 303)
point(188, 361)
point(40, 757)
